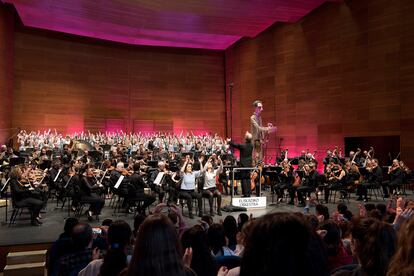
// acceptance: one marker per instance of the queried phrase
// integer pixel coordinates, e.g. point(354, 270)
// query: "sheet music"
point(54, 180)
point(158, 179)
point(118, 183)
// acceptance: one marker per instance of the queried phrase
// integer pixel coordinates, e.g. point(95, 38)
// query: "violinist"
point(286, 179)
point(137, 190)
point(396, 176)
point(309, 181)
point(56, 181)
point(353, 175)
point(116, 174)
point(25, 196)
point(336, 180)
point(89, 191)
point(406, 170)
point(158, 188)
point(33, 178)
point(373, 178)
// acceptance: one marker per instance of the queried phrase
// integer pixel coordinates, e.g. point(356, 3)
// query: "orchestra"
point(89, 168)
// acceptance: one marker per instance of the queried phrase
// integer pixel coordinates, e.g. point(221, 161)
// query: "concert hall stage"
point(53, 221)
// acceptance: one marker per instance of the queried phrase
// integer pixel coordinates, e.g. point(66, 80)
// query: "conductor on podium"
point(246, 160)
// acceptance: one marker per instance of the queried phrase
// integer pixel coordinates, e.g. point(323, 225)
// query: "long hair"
point(402, 263)
point(216, 238)
point(119, 237)
point(374, 243)
point(230, 230)
point(157, 249)
point(332, 239)
point(202, 262)
point(286, 239)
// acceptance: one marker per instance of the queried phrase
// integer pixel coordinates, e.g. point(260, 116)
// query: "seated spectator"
point(202, 262)
point(322, 212)
point(217, 241)
point(373, 245)
point(71, 264)
point(241, 220)
point(283, 244)
point(158, 251)
point(230, 230)
point(115, 260)
point(337, 255)
point(62, 246)
point(241, 238)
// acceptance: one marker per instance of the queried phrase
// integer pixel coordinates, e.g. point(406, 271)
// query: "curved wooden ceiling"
point(207, 24)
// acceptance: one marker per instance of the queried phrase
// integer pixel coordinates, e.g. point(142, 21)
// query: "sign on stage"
point(250, 202)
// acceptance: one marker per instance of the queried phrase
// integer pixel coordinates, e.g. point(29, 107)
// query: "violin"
point(126, 172)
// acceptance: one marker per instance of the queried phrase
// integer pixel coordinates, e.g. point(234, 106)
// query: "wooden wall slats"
point(346, 69)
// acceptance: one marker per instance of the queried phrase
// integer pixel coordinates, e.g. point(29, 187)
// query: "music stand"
point(46, 164)
point(294, 161)
point(16, 161)
point(152, 163)
point(96, 155)
point(301, 174)
point(106, 147)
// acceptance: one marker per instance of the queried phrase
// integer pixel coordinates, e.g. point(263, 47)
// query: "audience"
point(373, 245)
point(290, 244)
point(402, 263)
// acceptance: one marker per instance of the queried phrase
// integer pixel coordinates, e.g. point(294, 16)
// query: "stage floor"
point(53, 221)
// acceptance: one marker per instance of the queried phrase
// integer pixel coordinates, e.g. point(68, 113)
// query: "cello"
point(255, 175)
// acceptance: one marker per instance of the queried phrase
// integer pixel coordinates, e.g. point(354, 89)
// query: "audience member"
point(115, 260)
point(71, 264)
point(158, 251)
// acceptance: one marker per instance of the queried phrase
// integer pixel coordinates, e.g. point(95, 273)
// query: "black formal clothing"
point(396, 179)
point(22, 197)
point(373, 179)
point(56, 181)
point(89, 191)
point(246, 160)
point(137, 191)
point(158, 189)
point(285, 182)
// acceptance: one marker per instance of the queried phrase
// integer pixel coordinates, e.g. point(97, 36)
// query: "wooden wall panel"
point(74, 84)
point(6, 70)
point(346, 69)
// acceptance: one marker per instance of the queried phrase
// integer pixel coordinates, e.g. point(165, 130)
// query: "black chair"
point(17, 211)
